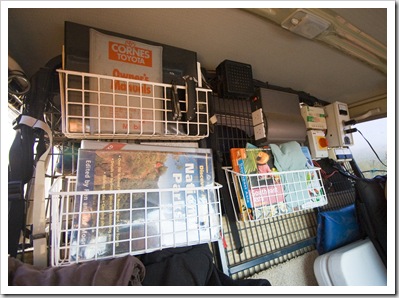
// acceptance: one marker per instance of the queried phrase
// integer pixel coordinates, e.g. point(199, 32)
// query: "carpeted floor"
point(295, 272)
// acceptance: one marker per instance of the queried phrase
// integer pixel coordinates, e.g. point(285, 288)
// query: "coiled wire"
point(18, 86)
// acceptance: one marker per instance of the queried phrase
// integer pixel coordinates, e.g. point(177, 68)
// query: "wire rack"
point(106, 107)
point(261, 244)
point(276, 193)
point(268, 242)
point(130, 221)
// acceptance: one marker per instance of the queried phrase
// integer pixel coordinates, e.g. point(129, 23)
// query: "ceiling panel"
point(371, 20)
point(277, 56)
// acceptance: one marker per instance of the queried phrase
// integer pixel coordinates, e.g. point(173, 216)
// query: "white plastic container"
point(356, 264)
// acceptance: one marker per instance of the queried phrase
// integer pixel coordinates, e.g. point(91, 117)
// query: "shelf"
point(134, 221)
point(106, 107)
point(261, 196)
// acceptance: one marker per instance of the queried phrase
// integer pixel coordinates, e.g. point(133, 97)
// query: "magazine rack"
point(262, 196)
point(106, 107)
point(146, 220)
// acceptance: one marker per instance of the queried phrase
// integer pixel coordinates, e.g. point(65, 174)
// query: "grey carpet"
point(295, 272)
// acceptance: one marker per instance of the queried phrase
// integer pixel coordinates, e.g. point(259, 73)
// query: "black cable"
point(372, 171)
point(342, 170)
point(371, 148)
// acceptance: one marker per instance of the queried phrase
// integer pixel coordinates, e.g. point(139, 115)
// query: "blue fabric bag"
point(337, 228)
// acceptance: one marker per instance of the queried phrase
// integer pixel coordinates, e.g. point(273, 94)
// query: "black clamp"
point(191, 97)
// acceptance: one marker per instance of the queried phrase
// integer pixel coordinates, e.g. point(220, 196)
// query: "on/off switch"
point(323, 143)
point(318, 144)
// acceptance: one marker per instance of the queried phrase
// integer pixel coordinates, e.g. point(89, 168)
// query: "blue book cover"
point(244, 184)
point(306, 152)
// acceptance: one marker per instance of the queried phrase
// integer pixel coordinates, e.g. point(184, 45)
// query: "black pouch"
point(371, 209)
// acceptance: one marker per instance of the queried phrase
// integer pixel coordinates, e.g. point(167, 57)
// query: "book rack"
point(106, 107)
point(274, 194)
point(150, 220)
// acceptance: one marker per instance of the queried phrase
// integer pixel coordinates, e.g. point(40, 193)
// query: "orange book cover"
point(237, 154)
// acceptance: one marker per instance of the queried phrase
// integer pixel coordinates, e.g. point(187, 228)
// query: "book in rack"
point(122, 106)
point(260, 193)
point(240, 184)
point(110, 219)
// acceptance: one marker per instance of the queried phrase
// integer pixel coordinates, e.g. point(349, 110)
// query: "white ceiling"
point(277, 56)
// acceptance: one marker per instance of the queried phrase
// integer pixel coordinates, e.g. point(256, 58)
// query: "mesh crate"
point(276, 193)
point(106, 107)
point(137, 221)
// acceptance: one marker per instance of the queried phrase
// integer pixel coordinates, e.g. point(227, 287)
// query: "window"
point(375, 132)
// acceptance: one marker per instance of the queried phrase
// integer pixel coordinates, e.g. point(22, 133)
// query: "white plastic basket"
point(106, 107)
point(261, 196)
point(146, 221)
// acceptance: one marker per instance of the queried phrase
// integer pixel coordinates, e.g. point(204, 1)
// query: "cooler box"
point(356, 264)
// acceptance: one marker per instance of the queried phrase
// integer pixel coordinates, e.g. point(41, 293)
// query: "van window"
point(375, 132)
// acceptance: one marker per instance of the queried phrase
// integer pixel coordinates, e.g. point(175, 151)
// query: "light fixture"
point(305, 24)
point(324, 25)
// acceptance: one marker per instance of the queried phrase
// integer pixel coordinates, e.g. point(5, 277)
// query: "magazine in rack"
point(235, 155)
point(260, 187)
point(118, 222)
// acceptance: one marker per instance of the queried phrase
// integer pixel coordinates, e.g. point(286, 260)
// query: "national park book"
point(149, 217)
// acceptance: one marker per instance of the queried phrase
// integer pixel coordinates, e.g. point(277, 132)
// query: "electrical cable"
point(343, 171)
point(323, 172)
point(18, 87)
point(18, 83)
point(372, 171)
point(371, 148)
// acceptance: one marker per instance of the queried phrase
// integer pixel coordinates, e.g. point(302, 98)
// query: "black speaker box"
point(234, 79)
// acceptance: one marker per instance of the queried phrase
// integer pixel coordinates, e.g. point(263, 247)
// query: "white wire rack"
point(106, 107)
point(130, 221)
point(261, 196)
